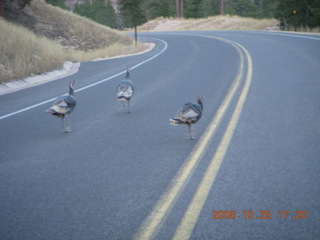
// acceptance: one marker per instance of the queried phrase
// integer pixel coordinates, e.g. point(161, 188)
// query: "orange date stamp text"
point(262, 214)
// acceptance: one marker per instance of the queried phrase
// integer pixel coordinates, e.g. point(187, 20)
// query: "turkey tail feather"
point(176, 121)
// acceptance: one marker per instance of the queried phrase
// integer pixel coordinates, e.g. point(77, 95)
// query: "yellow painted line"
point(190, 217)
point(154, 221)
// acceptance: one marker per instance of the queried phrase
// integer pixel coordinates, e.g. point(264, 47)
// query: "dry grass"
point(57, 36)
point(110, 51)
point(210, 23)
point(305, 29)
point(72, 30)
point(23, 53)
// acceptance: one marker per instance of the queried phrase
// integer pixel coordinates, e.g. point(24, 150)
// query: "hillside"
point(41, 37)
point(64, 27)
point(211, 23)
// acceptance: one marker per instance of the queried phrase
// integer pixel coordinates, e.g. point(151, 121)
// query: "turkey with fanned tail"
point(125, 90)
point(63, 106)
point(189, 114)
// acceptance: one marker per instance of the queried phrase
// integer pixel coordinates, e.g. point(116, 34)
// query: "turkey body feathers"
point(125, 90)
point(64, 105)
point(189, 114)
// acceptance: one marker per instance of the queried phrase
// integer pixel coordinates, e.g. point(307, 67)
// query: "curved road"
point(252, 172)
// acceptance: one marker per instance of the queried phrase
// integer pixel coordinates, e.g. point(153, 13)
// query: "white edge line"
point(91, 85)
point(297, 35)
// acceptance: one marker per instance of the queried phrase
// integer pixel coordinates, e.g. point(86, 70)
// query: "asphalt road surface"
point(251, 173)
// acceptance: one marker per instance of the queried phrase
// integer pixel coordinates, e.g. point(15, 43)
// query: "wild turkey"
point(189, 114)
point(63, 106)
point(126, 90)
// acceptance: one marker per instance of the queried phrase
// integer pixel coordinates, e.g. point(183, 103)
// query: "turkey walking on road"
point(63, 106)
point(189, 114)
point(125, 90)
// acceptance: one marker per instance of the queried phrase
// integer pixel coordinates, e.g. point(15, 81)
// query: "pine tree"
point(58, 3)
point(299, 12)
point(132, 13)
point(244, 8)
point(159, 8)
point(210, 8)
point(100, 11)
point(1, 8)
point(315, 14)
point(265, 8)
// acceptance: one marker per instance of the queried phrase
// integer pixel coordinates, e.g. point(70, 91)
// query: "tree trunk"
point(181, 9)
point(178, 8)
point(222, 7)
point(1, 8)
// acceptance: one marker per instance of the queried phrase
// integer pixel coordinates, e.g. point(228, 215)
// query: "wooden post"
point(148, 19)
point(295, 19)
point(136, 34)
point(222, 7)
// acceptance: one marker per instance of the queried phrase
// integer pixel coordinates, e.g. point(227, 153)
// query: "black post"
point(136, 35)
point(295, 19)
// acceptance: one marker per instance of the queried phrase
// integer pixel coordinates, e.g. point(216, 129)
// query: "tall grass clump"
point(23, 53)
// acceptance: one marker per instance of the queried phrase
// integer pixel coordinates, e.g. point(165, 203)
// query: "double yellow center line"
point(155, 220)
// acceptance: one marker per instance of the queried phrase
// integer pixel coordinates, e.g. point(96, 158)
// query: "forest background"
point(39, 36)
point(121, 14)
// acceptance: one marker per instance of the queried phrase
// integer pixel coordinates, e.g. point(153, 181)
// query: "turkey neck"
point(71, 91)
point(200, 103)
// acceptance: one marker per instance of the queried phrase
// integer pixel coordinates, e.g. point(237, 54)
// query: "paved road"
point(123, 176)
